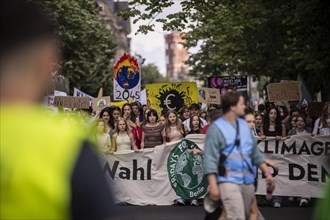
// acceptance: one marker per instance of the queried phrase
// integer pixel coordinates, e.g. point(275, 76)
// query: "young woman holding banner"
point(133, 123)
point(322, 124)
point(152, 131)
point(123, 139)
point(273, 126)
point(174, 130)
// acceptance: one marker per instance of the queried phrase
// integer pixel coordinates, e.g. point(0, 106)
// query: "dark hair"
point(111, 122)
point(228, 100)
point(115, 108)
point(139, 107)
point(152, 112)
point(214, 114)
point(133, 117)
point(23, 23)
point(194, 106)
point(294, 110)
point(278, 121)
point(191, 122)
point(183, 109)
point(301, 116)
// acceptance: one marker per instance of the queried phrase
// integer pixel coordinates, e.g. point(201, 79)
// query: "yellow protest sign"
point(171, 96)
point(120, 103)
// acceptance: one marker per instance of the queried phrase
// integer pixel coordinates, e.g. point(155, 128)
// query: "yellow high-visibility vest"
point(38, 154)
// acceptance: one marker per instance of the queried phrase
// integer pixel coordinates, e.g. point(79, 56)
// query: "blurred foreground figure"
point(48, 170)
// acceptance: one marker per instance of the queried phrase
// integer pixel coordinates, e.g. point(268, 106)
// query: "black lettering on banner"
point(327, 149)
point(288, 149)
point(277, 143)
point(324, 174)
point(125, 173)
point(112, 171)
point(320, 150)
point(304, 148)
point(118, 94)
point(310, 172)
point(266, 148)
point(149, 169)
point(292, 175)
point(127, 94)
point(135, 171)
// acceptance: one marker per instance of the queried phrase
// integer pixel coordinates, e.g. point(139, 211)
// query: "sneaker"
point(194, 202)
point(303, 203)
point(277, 205)
point(180, 202)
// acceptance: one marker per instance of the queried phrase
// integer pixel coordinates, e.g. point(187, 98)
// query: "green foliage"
point(150, 74)
point(87, 46)
point(276, 38)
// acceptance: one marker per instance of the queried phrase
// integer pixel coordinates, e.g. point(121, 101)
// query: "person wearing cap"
point(194, 110)
point(229, 138)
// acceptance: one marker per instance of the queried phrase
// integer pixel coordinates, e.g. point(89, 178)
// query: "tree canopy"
point(87, 46)
point(276, 38)
point(150, 74)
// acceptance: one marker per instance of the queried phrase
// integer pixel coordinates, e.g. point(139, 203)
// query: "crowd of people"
point(136, 127)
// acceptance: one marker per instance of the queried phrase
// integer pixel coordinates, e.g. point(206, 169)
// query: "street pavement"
point(197, 213)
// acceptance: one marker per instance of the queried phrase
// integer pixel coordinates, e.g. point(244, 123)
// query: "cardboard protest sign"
point(286, 91)
point(71, 102)
point(127, 79)
point(209, 95)
point(171, 96)
point(101, 103)
point(77, 92)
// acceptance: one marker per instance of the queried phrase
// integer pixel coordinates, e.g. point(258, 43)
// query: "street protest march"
point(130, 109)
point(157, 176)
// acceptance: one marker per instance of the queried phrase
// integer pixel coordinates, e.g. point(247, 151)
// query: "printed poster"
point(127, 79)
point(171, 96)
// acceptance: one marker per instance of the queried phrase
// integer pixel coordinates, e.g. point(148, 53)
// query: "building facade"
point(119, 27)
point(176, 56)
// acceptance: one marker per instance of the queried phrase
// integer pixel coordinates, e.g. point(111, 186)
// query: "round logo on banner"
point(186, 172)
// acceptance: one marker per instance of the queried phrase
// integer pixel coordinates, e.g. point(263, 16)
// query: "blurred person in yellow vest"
point(48, 170)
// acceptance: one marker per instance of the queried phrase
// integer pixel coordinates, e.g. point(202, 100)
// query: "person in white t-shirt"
point(300, 126)
point(322, 124)
point(194, 109)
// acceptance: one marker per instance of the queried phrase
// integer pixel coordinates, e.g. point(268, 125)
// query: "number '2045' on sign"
point(127, 95)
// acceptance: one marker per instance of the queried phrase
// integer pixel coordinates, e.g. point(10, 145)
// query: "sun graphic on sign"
point(127, 72)
point(171, 99)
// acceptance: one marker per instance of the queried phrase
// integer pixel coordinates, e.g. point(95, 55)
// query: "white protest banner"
point(284, 91)
point(145, 177)
point(209, 95)
point(302, 163)
point(59, 93)
point(127, 79)
point(79, 93)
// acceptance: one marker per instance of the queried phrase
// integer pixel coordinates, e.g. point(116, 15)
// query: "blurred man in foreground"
point(48, 170)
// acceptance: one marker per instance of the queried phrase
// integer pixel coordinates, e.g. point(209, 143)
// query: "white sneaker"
point(277, 205)
point(303, 202)
point(194, 202)
point(179, 201)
